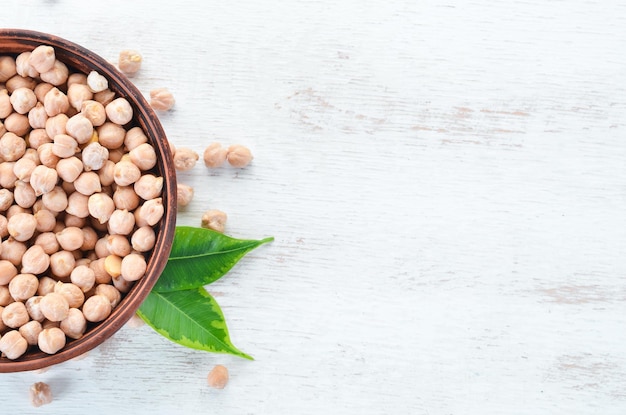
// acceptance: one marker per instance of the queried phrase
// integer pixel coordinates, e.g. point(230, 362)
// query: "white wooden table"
point(446, 185)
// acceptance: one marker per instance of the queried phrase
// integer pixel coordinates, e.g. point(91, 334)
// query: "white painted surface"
point(447, 188)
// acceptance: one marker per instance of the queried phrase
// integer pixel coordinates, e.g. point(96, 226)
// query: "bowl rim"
point(77, 57)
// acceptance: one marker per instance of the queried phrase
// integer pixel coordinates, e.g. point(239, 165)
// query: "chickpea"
point(125, 197)
point(54, 306)
point(22, 226)
point(118, 245)
point(57, 75)
point(72, 221)
point(48, 242)
point(116, 154)
point(121, 222)
point(148, 186)
point(51, 340)
point(214, 219)
point(15, 315)
point(97, 308)
point(119, 111)
point(6, 108)
point(41, 89)
point(56, 125)
point(111, 135)
point(4, 231)
point(75, 324)
point(30, 331)
point(126, 173)
point(55, 102)
point(6, 198)
point(97, 82)
point(214, 155)
point(19, 81)
point(46, 286)
point(97, 266)
point(33, 303)
point(16, 209)
point(89, 239)
point(134, 137)
point(40, 394)
point(13, 345)
point(62, 263)
point(94, 156)
point(37, 116)
point(37, 137)
point(70, 238)
point(143, 239)
point(185, 159)
point(12, 251)
point(184, 194)
point(102, 247)
point(83, 277)
point(23, 286)
point(130, 62)
point(110, 292)
point(7, 177)
point(106, 173)
point(42, 58)
point(218, 377)
point(7, 68)
point(94, 112)
point(55, 200)
point(150, 213)
point(68, 169)
point(24, 194)
point(121, 284)
point(104, 97)
point(77, 78)
point(72, 293)
point(5, 297)
point(143, 156)
point(34, 261)
point(161, 99)
point(88, 183)
point(133, 267)
point(77, 205)
point(46, 156)
point(12, 147)
point(80, 128)
point(23, 99)
point(78, 93)
point(23, 66)
point(23, 168)
point(64, 146)
point(43, 179)
point(239, 156)
point(113, 265)
point(101, 206)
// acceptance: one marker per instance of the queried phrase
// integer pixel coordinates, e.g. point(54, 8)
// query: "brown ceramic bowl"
point(77, 58)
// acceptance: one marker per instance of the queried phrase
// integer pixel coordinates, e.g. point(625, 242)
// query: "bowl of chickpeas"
point(87, 199)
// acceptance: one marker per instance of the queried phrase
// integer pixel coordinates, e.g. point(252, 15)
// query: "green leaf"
point(191, 318)
point(201, 256)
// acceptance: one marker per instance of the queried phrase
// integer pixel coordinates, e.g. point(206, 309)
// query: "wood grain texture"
point(446, 185)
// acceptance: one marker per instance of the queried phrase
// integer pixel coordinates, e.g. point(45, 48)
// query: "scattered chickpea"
point(111, 135)
point(12, 251)
point(77, 205)
point(23, 66)
point(121, 222)
point(78, 93)
point(6, 198)
point(19, 81)
point(24, 195)
point(238, 156)
point(40, 394)
point(5, 104)
point(37, 116)
point(104, 97)
point(96, 308)
point(126, 173)
point(218, 377)
point(5, 296)
point(55, 200)
point(55, 102)
point(214, 219)
point(69, 169)
point(134, 137)
point(13, 345)
point(125, 197)
point(23, 286)
point(214, 155)
point(129, 62)
point(118, 245)
point(51, 340)
point(184, 194)
point(70, 238)
point(41, 89)
point(113, 265)
point(64, 146)
point(110, 292)
point(46, 286)
point(161, 99)
point(42, 58)
point(185, 159)
point(36, 138)
point(89, 239)
point(23, 168)
point(102, 276)
point(80, 128)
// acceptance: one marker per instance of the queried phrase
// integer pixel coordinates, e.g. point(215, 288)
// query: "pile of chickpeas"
point(79, 201)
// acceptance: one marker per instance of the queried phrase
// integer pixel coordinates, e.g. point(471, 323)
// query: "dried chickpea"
point(185, 159)
point(55, 200)
point(23, 66)
point(83, 277)
point(56, 125)
point(96, 308)
point(5, 104)
point(37, 116)
point(71, 221)
point(119, 111)
point(148, 186)
point(80, 128)
point(6, 198)
point(30, 331)
point(23, 286)
point(23, 100)
point(7, 177)
point(41, 89)
point(34, 261)
point(54, 306)
point(5, 297)
point(48, 242)
point(51, 340)
point(110, 292)
point(40, 394)
point(23, 168)
point(16, 209)
point(121, 284)
point(3, 326)
point(4, 232)
point(78, 93)
point(42, 58)
point(24, 194)
point(88, 183)
point(22, 226)
point(143, 156)
point(62, 263)
point(161, 99)
point(12, 147)
point(143, 239)
point(96, 82)
point(12, 251)
point(238, 156)
point(7, 68)
point(64, 146)
point(125, 197)
point(89, 239)
point(46, 156)
point(102, 247)
point(43, 179)
point(126, 173)
point(94, 156)
point(214, 219)
point(133, 267)
point(94, 112)
point(13, 345)
point(113, 265)
point(97, 266)
point(134, 137)
point(36, 138)
point(72, 293)
point(214, 155)
point(184, 194)
point(19, 81)
point(104, 97)
point(33, 303)
point(15, 315)
point(75, 324)
point(150, 213)
point(68, 169)
point(106, 173)
point(46, 286)
point(129, 62)
point(77, 205)
point(218, 377)
point(121, 222)
point(111, 135)
point(101, 206)
point(70, 238)
point(55, 102)
point(118, 245)
point(57, 75)
point(77, 78)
